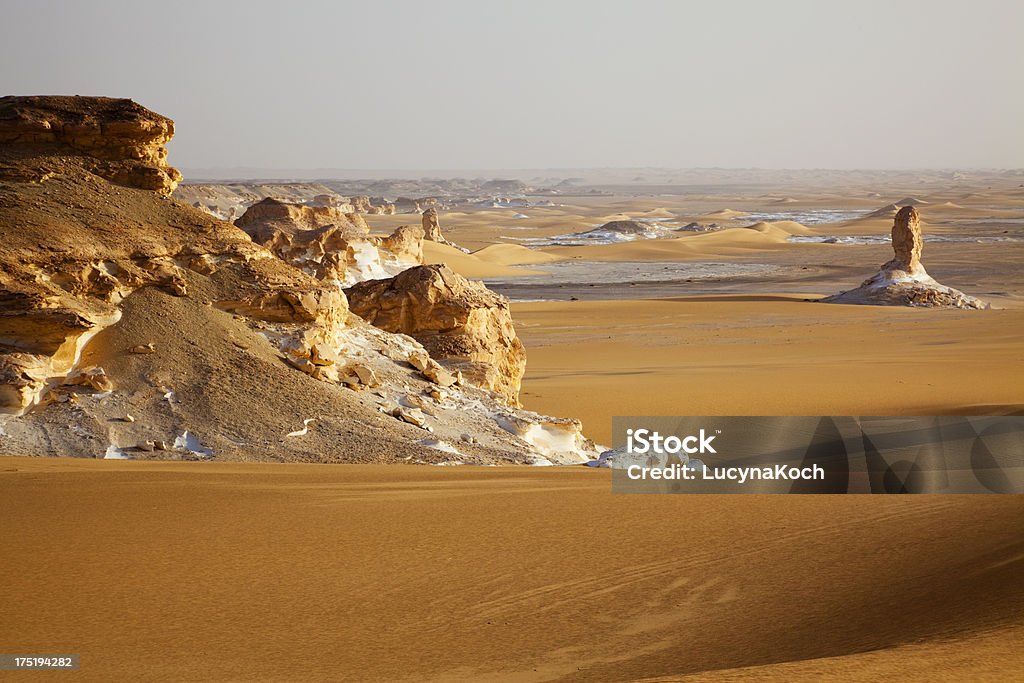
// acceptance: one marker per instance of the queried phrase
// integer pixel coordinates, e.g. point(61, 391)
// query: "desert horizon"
point(335, 337)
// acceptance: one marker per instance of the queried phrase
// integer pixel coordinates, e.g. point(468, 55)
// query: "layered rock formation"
point(116, 138)
point(903, 281)
point(464, 325)
point(136, 326)
point(328, 243)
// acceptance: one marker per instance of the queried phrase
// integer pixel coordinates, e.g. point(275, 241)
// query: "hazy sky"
point(480, 84)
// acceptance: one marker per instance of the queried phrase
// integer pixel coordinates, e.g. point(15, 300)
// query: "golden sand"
point(210, 571)
point(766, 355)
point(205, 571)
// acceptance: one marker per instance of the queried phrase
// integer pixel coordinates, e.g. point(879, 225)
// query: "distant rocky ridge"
point(133, 325)
point(903, 281)
point(229, 200)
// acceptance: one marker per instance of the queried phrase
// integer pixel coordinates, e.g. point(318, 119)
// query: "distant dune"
point(494, 263)
point(513, 255)
point(887, 211)
point(725, 213)
point(730, 241)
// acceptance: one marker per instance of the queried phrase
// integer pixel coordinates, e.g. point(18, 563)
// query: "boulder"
point(92, 377)
point(460, 322)
point(406, 242)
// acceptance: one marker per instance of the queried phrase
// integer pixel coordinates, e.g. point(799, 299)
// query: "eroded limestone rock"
point(251, 343)
point(329, 244)
point(123, 140)
point(460, 322)
point(903, 281)
point(906, 241)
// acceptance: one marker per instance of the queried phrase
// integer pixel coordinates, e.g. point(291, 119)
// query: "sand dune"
point(731, 241)
point(780, 228)
point(513, 255)
point(311, 572)
point(971, 656)
point(475, 265)
point(887, 212)
point(724, 213)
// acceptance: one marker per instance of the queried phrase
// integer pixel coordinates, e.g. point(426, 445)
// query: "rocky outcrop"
point(408, 205)
point(432, 226)
point(329, 244)
point(432, 229)
point(465, 326)
point(136, 326)
point(907, 242)
point(42, 337)
point(122, 141)
point(269, 216)
point(326, 307)
point(406, 242)
point(903, 281)
point(229, 201)
point(417, 204)
point(379, 207)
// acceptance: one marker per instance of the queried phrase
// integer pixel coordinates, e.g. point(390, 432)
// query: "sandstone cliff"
point(132, 325)
point(116, 139)
point(903, 281)
point(464, 325)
